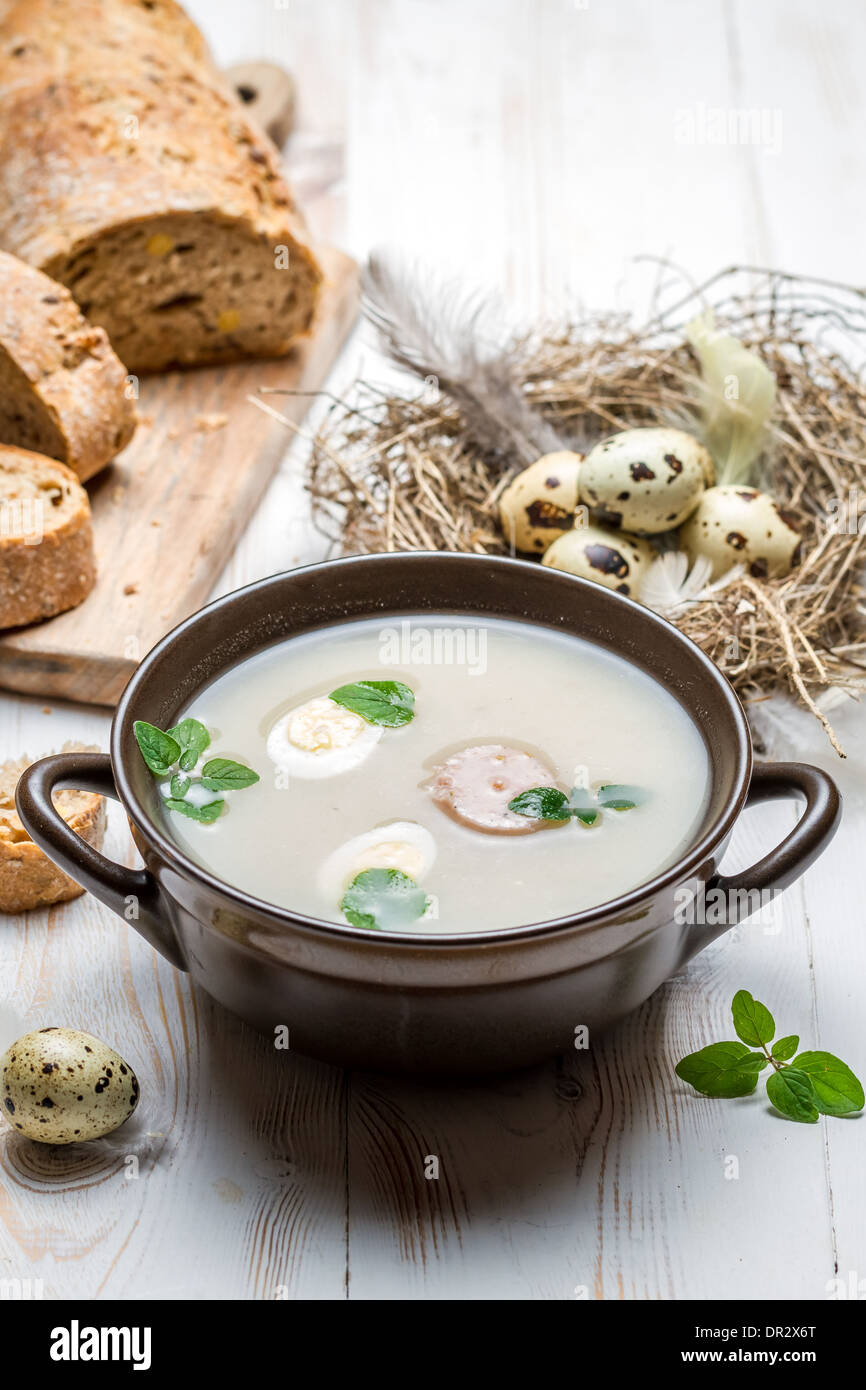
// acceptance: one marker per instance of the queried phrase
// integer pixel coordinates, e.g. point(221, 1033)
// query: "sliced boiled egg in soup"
point(402, 845)
point(321, 739)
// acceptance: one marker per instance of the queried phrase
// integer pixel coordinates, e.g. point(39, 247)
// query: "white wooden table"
point(533, 146)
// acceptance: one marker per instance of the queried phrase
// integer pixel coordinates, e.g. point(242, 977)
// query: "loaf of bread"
point(27, 878)
point(46, 541)
point(63, 392)
point(130, 172)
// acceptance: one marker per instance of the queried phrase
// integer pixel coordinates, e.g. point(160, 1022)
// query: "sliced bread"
point(130, 172)
point(63, 392)
point(47, 562)
point(27, 878)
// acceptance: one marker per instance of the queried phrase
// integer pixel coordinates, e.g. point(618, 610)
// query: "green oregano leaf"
point(193, 738)
point(762, 1059)
point(614, 797)
point(541, 803)
point(583, 806)
point(753, 1021)
point(224, 774)
point(379, 702)
point(790, 1091)
point(207, 813)
point(159, 750)
point(837, 1091)
point(815, 1082)
point(722, 1069)
point(383, 900)
point(551, 804)
point(175, 754)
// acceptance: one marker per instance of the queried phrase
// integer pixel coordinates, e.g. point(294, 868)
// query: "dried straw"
point(394, 471)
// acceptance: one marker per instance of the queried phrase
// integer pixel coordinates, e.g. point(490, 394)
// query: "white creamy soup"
point(535, 775)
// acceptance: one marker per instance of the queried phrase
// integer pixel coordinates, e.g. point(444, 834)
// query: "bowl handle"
point(812, 833)
point(132, 893)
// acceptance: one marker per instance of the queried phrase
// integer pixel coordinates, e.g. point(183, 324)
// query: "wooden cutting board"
point(168, 511)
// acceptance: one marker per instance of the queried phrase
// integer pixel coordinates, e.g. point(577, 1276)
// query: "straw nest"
point(421, 469)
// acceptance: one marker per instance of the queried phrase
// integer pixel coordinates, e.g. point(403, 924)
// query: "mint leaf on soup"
point(383, 900)
point(723, 1069)
point(790, 1091)
point(582, 806)
point(614, 797)
point(541, 803)
point(753, 1022)
point(379, 702)
point(837, 1090)
point(193, 738)
point(159, 750)
point(549, 803)
point(223, 774)
point(206, 813)
point(175, 754)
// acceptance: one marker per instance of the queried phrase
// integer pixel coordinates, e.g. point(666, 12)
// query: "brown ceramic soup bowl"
point(468, 1003)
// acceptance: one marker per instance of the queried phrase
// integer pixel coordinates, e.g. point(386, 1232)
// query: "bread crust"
point(131, 173)
point(47, 562)
point(28, 878)
point(65, 390)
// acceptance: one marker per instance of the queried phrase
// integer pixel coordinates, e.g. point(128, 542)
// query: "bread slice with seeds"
point(27, 877)
point(63, 392)
point(130, 172)
point(47, 562)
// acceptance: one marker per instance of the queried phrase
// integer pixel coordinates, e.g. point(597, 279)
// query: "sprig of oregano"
point(812, 1083)
point(379, 702)
point(383, 900)
point(173, 755)
point(581, 804)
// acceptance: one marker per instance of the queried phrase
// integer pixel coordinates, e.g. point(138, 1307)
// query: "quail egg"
point(740, 525)
point(402, 845)
point(611, 558)
point(60, 1086)
point(321, 739)
point(538, 505)
point(645, 480)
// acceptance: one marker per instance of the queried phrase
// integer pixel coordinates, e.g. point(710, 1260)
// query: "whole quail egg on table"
point(62, 1086)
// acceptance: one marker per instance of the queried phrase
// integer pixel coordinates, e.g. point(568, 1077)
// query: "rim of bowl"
point(585, 920)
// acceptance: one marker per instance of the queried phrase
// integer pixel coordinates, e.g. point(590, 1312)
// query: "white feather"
point(670, 586)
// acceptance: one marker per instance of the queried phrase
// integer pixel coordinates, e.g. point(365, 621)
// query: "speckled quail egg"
point(645, 480)
point(739, 525)
point(608, 557)
point(60, 1086)
point(538, 505)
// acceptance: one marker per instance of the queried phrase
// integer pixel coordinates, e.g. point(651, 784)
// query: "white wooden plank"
point(836, 920)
